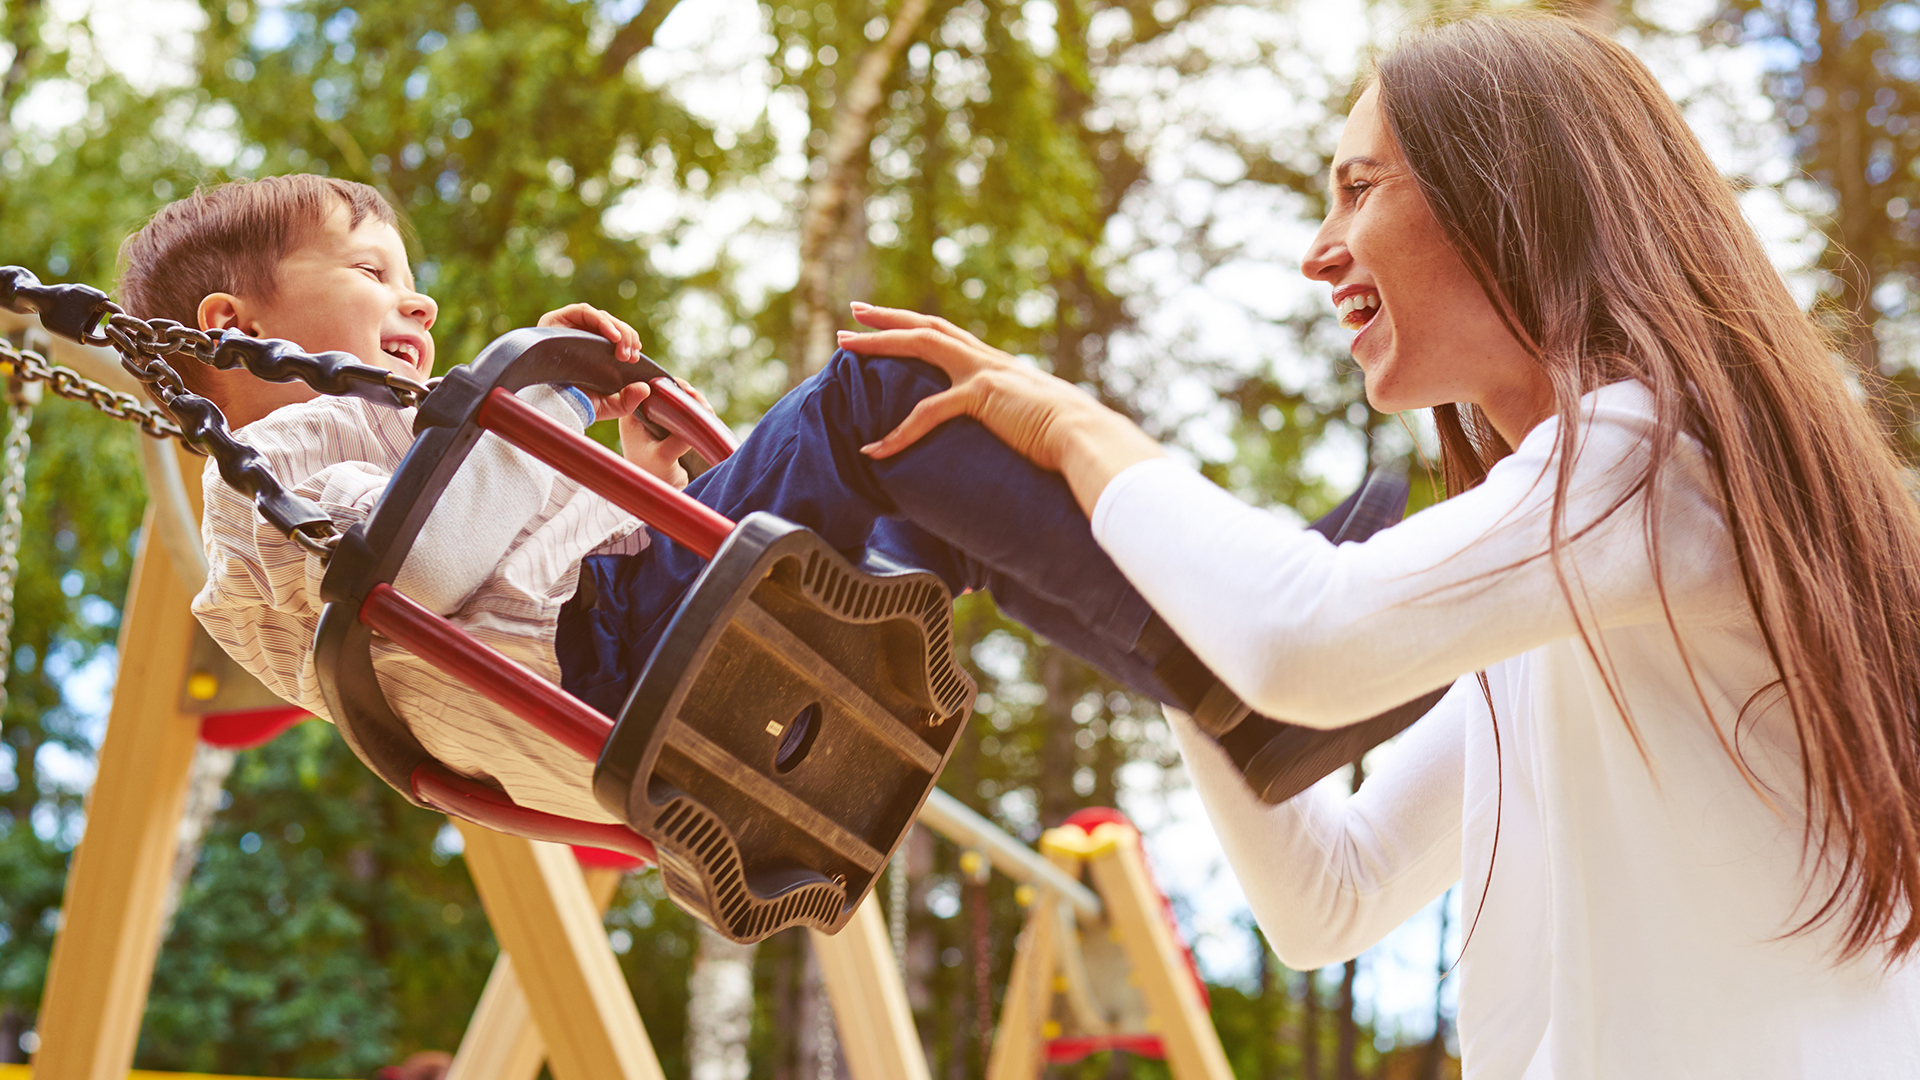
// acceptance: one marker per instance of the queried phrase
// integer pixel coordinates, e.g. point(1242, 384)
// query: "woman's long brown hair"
point(1579, 198)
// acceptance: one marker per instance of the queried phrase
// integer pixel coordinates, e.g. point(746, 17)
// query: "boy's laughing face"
point(350, 289)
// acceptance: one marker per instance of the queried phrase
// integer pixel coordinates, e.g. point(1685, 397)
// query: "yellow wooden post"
point(109, 937)
point(537, 901)
point(1176, 1012)
point(502, 1041)
point(869, 999)
point(1020, 1041)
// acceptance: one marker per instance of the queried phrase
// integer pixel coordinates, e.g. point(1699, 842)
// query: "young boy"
point(321, 262)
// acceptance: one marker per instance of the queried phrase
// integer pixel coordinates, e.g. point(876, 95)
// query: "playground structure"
point(1098, 966)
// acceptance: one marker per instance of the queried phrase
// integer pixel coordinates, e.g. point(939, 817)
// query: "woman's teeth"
point(1357, 310)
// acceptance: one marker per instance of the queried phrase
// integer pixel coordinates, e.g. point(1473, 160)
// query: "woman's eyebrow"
point(1341, 170)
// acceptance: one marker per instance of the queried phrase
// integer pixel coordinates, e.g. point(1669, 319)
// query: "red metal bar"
point(645, 496)
point(681, 413)
point(451, 793)
point(575, 724)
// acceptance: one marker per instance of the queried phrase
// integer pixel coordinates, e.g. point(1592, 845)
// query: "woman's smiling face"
point(1427, 335)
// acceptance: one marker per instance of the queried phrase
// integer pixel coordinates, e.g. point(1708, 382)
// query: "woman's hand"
point(1049, 421)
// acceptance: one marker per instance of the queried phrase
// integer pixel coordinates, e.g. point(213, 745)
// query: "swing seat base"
point(787, 729)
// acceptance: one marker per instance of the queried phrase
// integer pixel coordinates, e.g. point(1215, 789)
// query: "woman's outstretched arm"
point(1329, 875)
point(1319, 634)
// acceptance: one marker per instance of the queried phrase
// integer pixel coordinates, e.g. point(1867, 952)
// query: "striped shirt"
point(498, 556)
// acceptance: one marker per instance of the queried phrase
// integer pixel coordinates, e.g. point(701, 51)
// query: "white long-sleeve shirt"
point(499, 555)
point(1635, 913)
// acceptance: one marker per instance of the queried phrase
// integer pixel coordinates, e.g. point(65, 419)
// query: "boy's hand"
point(661, 457)
point(626, 343)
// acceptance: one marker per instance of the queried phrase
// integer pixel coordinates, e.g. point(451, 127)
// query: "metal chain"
point(826, 1049)
point(30, 366)
point(85, 314)
point(13, 485)
point(144, 345)
point(897, 904)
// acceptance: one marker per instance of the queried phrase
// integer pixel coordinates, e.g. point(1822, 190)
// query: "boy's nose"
point(420, 306)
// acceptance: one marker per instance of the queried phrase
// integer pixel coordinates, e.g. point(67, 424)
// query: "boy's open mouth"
point(1358, 310)
point(405, 351)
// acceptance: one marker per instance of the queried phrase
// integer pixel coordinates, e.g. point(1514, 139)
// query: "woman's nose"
point(1327, 256)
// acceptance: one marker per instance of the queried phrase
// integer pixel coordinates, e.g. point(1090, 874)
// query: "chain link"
point(13, 485)
point(30, 366)
point(897, 903)
point(85, 314)
point(144, 347)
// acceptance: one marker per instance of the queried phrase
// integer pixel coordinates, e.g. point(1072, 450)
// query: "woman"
point(1676, 589)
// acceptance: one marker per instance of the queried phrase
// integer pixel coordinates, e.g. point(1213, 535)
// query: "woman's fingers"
point(930, 413)
point(952, 355)
point(902, 319)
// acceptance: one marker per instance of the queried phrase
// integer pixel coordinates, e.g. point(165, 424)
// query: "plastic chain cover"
point(791, 721)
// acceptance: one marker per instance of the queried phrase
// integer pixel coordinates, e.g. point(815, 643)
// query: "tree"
point(81, 157)
point(326, 931)
point(1845, 79)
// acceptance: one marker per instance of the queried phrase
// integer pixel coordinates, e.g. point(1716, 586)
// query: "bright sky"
point(703, 48)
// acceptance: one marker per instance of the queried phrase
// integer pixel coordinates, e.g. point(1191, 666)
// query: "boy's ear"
point(219, 311)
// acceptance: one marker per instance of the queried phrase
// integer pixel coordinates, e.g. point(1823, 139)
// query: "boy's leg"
point(982, 517)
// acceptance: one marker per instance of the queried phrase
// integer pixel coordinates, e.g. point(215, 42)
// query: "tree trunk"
point(1310, 1027)
point(719, 1008)
point(1349, 1046)
point(788, 954)
point(1857, 221)
point(1265, 1067)
point(1347, 1055)
point(1436, 1052)
point(828, 245)
point(1057, 758)
point(205, 781)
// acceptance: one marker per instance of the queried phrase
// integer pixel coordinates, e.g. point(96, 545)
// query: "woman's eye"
point(1356, 189)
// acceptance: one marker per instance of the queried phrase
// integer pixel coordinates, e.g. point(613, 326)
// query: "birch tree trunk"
point(719, 1008)
point(829, 238)
point(211, 766)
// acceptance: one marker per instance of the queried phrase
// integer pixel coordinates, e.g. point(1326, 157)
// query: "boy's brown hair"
point(231, 238)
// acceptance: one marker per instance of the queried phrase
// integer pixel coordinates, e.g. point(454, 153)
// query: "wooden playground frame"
point(556, 993)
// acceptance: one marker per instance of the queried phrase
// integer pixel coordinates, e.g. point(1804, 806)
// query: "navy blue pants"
point(958, 503)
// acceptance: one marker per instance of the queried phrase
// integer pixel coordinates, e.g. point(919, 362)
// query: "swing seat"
point(787, 727)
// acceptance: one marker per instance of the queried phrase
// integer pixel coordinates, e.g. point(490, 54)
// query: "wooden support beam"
point(537, 901)
point(869, 999)
point(1135, 910)
point(502, 1041)
point(1020, 1042)
point(109, 937)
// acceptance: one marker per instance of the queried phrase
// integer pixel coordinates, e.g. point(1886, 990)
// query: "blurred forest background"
point(1118, 188)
